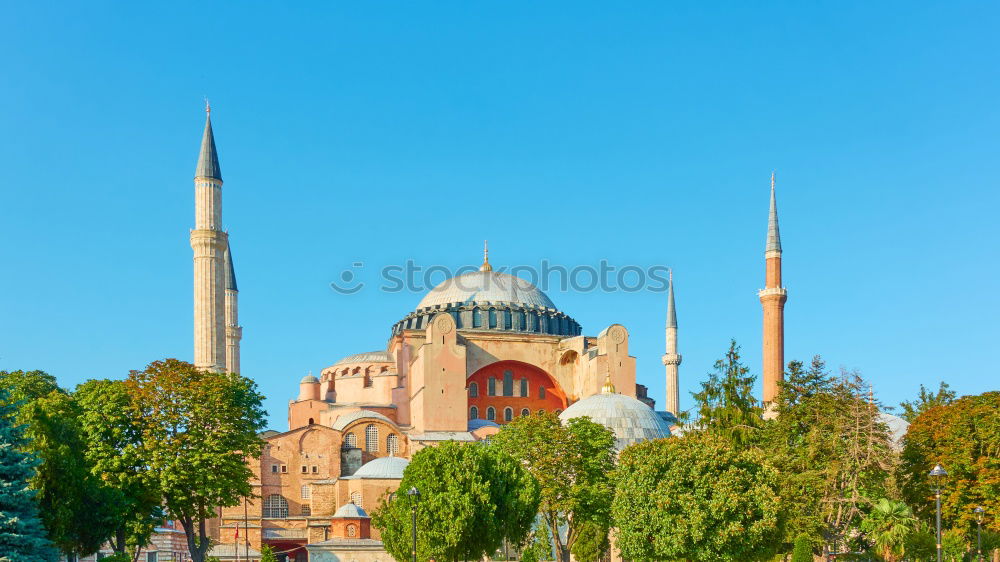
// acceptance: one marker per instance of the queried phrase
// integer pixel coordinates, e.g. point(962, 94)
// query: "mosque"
point(478, 351)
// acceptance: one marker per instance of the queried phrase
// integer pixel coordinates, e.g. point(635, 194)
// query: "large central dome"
point(486, 286)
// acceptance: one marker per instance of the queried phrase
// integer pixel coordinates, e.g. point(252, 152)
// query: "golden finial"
point(486, 257)
point(608, 387)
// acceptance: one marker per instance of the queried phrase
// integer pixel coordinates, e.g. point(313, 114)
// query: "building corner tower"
point(209, 243)
point(672, 359)
point(772, 299)
point(234, 332)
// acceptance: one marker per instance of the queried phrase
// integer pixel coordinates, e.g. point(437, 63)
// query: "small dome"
point(383, 468)
point(350, 509)
point(477, 423)
point(308, 378)
point(486, 286)
point(630, 420)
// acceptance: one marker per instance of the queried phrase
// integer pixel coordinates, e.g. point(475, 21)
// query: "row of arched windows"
point(508, 386)
point(508, 413)
point(372, 440)
point(492, 318)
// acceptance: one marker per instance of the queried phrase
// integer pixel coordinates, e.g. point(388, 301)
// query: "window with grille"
point(525, 412)
point(306, 492)
point(356, 499)
point(473, 390)
point(524, 387)
point(491, 414)
point(508, 383)
point(541, 392)
point(306, 510)
point(371, 438)
point(392, 444)
point(351, 441)
point(508, 414)
point(352, 531)
point(275, 507)
point(473, 413)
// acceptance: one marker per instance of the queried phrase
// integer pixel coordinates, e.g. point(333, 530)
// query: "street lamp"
point(979, 531)
point(415, 494)
point(937, 472)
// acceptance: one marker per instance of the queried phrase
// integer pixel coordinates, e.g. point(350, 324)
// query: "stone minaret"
point(672, 359)
point(234, 332)
point(772, 299)
point(209, 243)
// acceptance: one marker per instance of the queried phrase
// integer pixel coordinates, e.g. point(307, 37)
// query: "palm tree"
point(887, 526)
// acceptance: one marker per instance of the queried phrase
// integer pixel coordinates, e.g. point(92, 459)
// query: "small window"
point(284, 469)
point(306, 492)
point(491, 414)
point(306, 510)
point(508, 321)
point(356, 499)
point(524, 387)
point(274, 469)
point(368, 380)
point(315, 469)
point(352, 531)
point(522, 321)
point(392, 444)
point(541, 392)
point(525, 412)
point(150, 557)
point(473, 413)
point(508, 414)
point(491, 386)
point(311, 421)
point(473, 390)
point(493, 318)
point(371, 438)
point(477, 318)
point(351, 441)
point(305, 469)
point(541, 411)
point(508, 383)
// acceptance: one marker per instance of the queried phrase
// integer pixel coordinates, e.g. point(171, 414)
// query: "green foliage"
point(964, 437)
point(22, 536)
point(927, 400)
point(696, 497)
point(803, 551)
point(267, 554)
point(472, 498)
point(921, 544)
point(117, 557)
point(197, 429)
point(572, 464)
point(954, 545)
point(539, 545)
point(887, 526)
point(75, 507)
point(726, 405)
point(114, 451)
point(592, 543)
point(832, 452)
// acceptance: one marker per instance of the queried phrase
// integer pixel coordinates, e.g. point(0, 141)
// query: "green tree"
point(539, 545)
point(573, 464)
point(472, 498)
point(887, 526)
point(697, 497)
point(726, 405)
point(197, 429)
point(74, 506)
point(592, 542)
point(921, 544)
point(267, 554)
point(22, 536)
point(927, 400)
point(964, 437)
point(803, 551)
point(114, 451)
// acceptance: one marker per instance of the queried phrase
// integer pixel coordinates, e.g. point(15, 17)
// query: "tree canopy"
point(726, 405)
point(472, 498)
point(573, 464)
point(927, 400)
point(697, 498)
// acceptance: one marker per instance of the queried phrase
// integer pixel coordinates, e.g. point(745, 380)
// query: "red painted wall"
point(554, 400)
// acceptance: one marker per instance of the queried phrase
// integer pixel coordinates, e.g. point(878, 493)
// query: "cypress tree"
point(803, 551)
point(22, 535)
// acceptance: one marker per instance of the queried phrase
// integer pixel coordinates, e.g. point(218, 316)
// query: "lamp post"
point(979, 531)
point(415, 494)
point(937, 472)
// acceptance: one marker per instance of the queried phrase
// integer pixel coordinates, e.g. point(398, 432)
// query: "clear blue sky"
point(570, 131)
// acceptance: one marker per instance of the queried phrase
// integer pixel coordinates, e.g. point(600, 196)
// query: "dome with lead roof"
point(631, 421)
point(483, 287)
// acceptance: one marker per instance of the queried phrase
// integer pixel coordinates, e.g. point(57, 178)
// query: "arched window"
point(508, 321)
point(525, 412)
point(392, 444)
point(491, 386)
point(306, 492)
point(477, 318)
point(541, 411)
point(491, 414)
point(356, 499)
point(275, 507)
point(351, 441)
point(533, 322)
point(352, 531)
point(368, 380)
point(508, 414)
point(473, 390)
point(524, 387)
point(493, 318)
point(371, 438)
point(311, 421)
point(541, 391)
point(522, 321)
point(473, 413)
point(508, 383)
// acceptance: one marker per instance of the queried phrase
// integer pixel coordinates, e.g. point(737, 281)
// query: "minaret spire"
point(672, 359)
point(209, 243)
point(772, 299)
point(234, 332)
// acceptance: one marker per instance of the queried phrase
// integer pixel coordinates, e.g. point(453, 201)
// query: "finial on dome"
point(608, 387)
point(486, 257)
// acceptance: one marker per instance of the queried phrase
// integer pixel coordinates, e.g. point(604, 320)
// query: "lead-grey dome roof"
point(379, 356)
point(350, 509)
point(630, 420)
point(486, 286)
point(382, 468)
